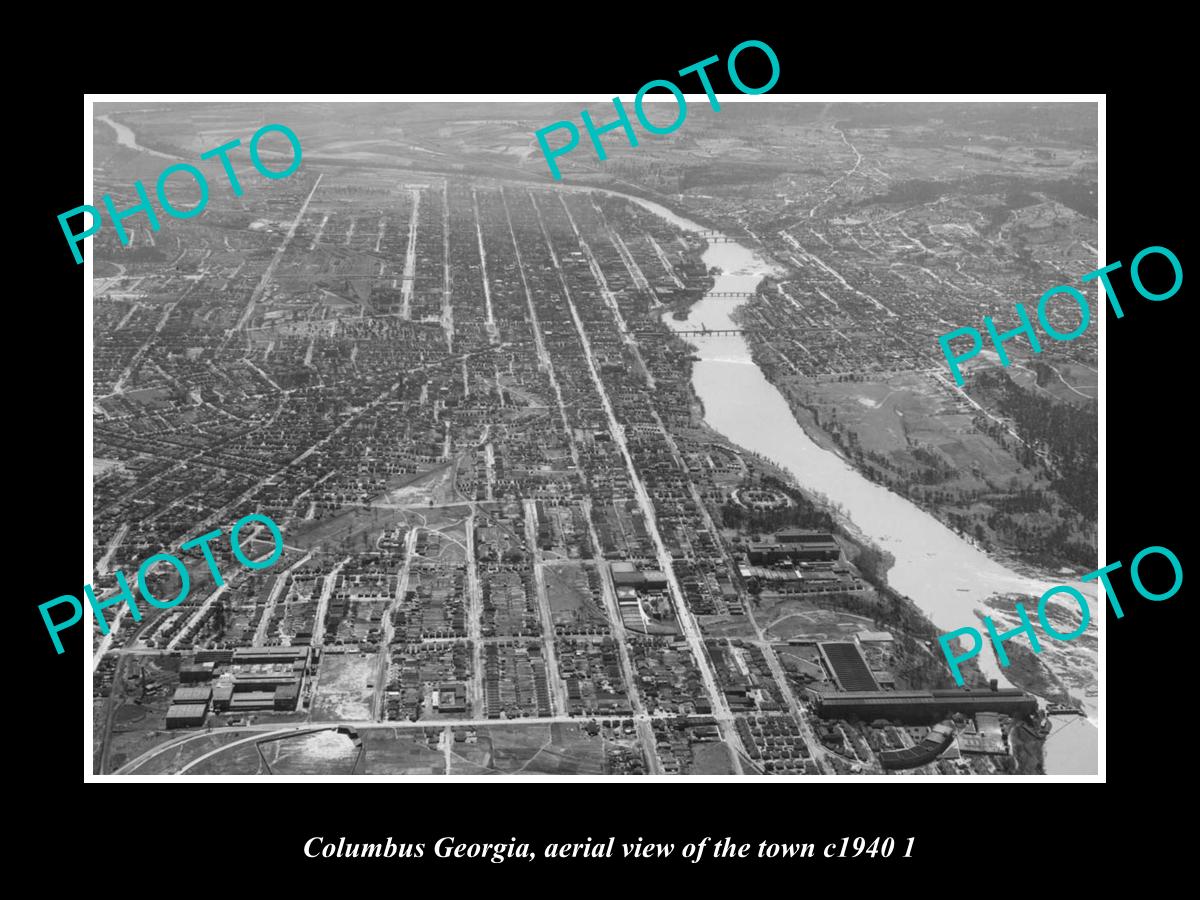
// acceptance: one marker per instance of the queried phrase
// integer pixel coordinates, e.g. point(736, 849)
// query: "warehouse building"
point(810, 546)
point(248, 700)
point(845, 662)
point(186, 715)
point(286, 696)
point(191, 695)
point(193, 674)
point(222, 695)
point(254, 655)
point(921, 706)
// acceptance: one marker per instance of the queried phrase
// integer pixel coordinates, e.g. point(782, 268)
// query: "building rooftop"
point(187, 711)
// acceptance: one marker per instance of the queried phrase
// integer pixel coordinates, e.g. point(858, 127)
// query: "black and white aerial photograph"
point(654, 468)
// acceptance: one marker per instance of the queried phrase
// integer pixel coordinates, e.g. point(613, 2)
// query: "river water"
point(126, 138)
point(946, 576)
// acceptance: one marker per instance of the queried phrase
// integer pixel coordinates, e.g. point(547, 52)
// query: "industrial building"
point(195, 673)
point(186, 715)
point(241, 680)
point(450, 698)
point(253, 655)
point(266, 678)
point(189, 707)
point(921, 706)
point(627, 575)
point(792, 580)
point(222, 696)
point(810, 545)
point(875, 637)
point(189, 695)
point(845, 662)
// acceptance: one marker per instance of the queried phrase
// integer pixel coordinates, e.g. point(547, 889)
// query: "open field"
point(444, 539)
point(806, 659)
point(343, 688)
point(101, 466)
point(555, 749)
point(1069, 382)
point(172, 760)
point(395, 751)
point(244, 759)
point(432, 487)
point(571, 602)
point(711, 758)
point(354, 527)
point(782, 619)
point(912, 411)
point(472, 759)
point(320, 753)
point(408, 502)
point(727, 626)
point(139, 707)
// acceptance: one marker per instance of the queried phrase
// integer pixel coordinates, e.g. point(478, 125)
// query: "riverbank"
point(126, 138)
point(1028, 749)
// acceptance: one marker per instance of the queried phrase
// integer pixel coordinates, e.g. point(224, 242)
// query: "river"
point(946, 576)
point(126, 138)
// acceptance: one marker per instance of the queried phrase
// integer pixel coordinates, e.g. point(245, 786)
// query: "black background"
point(235, 831)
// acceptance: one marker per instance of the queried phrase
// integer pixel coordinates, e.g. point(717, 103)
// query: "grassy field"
point(243, 759)
point(446, 543)
point(711, 758)
point(140, 703)
point(570, 597)
point(175, 758)
point(1069, 382)
point(398, 751)
point(782, 619)
point(556, 749)
point(358, 527)
point(807, 659)
point(727, 626)
point(893, 417)
point(472, 759)
point(434, 486)
point(355, 528)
